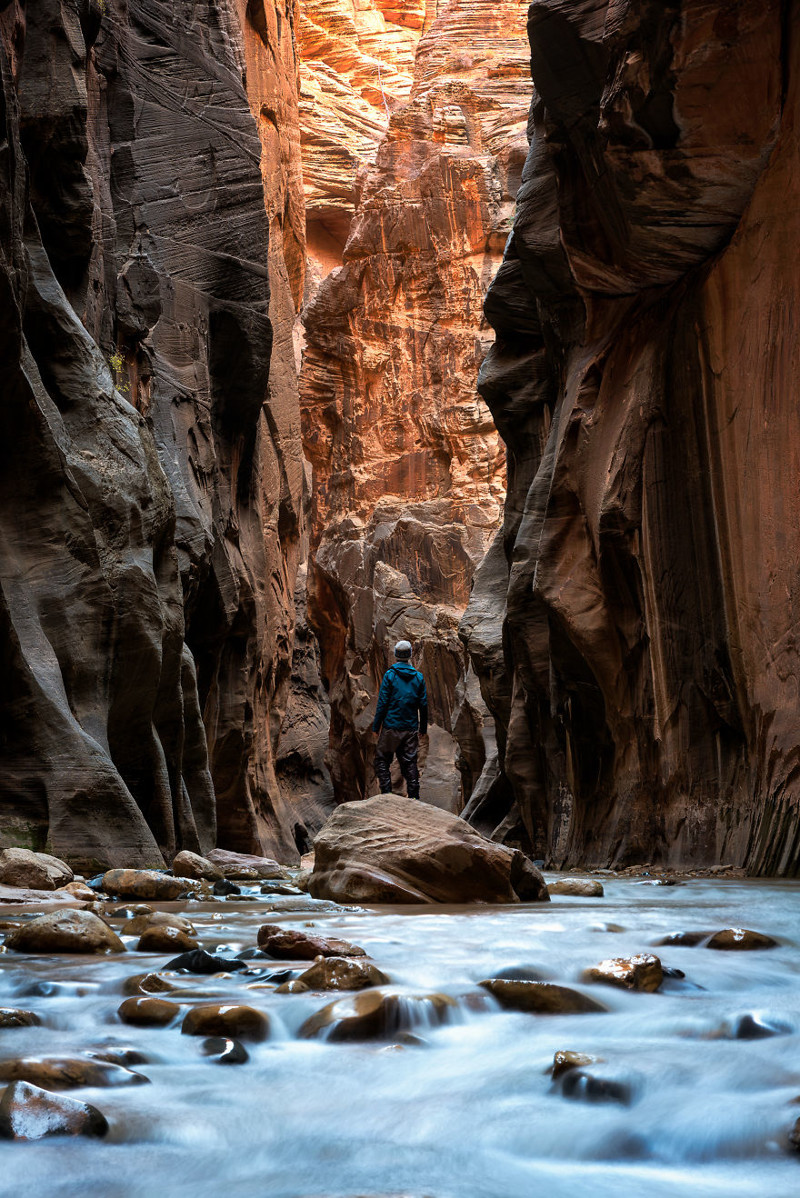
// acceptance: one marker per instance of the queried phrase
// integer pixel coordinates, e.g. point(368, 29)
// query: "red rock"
point(290, 945)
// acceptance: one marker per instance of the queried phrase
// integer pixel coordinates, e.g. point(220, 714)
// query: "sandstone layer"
point(151, 482)
point(409, 474)
point(644, 678)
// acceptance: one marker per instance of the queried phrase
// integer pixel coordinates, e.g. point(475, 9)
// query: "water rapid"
point(700, 1080)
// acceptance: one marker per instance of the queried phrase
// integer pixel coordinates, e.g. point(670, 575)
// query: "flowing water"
point(466, 1109)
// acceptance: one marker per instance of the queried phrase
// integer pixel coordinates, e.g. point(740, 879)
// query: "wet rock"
point(14, 1017)
point(131, 912)
point(290, 945)
point(226, 1052)
point(67, 1073)
point(294, 986)
point(642, 972)
point(65, 932)
point(253, 954)
point(225, 888)
point(794, 1137)
point(30, 1113)
point(585, 1086)
point(147, 983)
point(140, 923)
point(21, 867)
point(682, 939)
point(759, 1027)
point(79, 890)
point(245, 865)
point(579, 887)
point(520, 973)
point(199, 961)
point(740, 940)
point(565, 1060)
point(148, 1012)
point(192, 865)
point(146, 884)
point(342, 973)
point(165, 938)
point(391, 849)
point(376, 1016)
point(120, 1056)
point(540, 998)
point(231, 1021)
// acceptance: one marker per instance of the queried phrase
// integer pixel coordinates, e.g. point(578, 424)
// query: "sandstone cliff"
point(151, 482)
point(644, 678)
point(409, 474)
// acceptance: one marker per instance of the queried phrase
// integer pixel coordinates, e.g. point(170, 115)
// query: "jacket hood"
point(404, 667)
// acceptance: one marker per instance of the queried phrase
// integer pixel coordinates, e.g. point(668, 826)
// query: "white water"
point(472, 1113)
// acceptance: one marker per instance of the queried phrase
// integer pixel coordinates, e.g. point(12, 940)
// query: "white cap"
point(402, 649)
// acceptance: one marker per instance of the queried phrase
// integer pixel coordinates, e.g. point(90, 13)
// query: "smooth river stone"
point(642, 972)
point(30, 1113)
point(65, 932)
point(540, 998)
point(229, 1020)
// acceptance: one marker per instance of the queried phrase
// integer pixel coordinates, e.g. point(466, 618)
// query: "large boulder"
point(21, 867)
point(192, 865)
point(146, 884)
point(389, 849)
point(65, 932)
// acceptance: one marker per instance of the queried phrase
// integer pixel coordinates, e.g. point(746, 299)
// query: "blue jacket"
point(401, 696)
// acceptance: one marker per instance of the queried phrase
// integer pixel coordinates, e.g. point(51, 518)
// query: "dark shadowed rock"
point(225, 1051)
point(29, 1113)
point(14, 1017)
point(598, 1085)
point(200, 961)
point(395, 850)
point(65, 932)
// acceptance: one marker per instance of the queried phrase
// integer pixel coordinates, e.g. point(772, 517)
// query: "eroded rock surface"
point(643, 679)
point(409, 475)
point(388, 849)
point(151, 477)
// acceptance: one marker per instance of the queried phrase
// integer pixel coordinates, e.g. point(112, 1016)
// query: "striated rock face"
point(151, 482)
point(644, 677)
point(409, 474)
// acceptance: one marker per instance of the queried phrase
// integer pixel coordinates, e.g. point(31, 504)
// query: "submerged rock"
point(540, 998)
point(389, 849)
point(65, 932)
point(565, 1060)
point(231, 1021)
point(740, 940)
point(290, 945)
point(14, 1017)
point(147, 983)
point(642, 972)
point(594, 1086)
point(580, 887)
point(341, 973)
point(30, 1113)
point(192, 865)
point(377, 1016)
point(68, 1073)
point(148, 1012)
point(146, 884)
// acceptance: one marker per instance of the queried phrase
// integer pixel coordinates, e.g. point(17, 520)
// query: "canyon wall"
point(408, 470)
point(635, 625)
point(152, 488)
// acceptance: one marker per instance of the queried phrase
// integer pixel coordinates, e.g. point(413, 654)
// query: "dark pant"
point(405, 743)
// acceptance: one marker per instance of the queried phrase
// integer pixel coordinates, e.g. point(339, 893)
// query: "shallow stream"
point(469, 1110)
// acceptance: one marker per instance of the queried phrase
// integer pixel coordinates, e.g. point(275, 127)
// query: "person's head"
point(402, 650)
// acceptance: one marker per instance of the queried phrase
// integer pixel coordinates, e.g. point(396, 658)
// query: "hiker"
point(402, 696)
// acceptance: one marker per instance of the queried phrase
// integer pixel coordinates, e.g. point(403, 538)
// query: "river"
point(468, 1111)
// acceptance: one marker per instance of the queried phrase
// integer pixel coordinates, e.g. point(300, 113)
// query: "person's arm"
point(383, 702)
point(422, 703)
